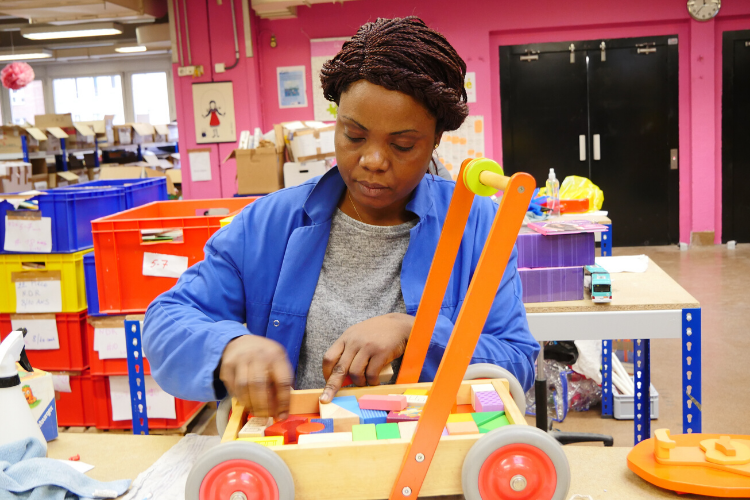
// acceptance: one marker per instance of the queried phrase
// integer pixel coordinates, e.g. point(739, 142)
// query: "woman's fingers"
point(332, 356)
point(374, 367)
point(257, 381)
point(358, 368)
point(282, 378)
point(338, 374)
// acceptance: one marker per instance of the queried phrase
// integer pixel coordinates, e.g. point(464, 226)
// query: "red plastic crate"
point(183, 409)
point(76, 408)
point(119, 248)
point(102, 367)
point(73, 354)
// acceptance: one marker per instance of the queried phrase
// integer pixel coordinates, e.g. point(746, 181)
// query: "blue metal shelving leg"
point(692, 411)
point(607, 378)
point(606, 243)
point(25, 148)
point(642, 382)
point(136, 377)
point(63, 147)
point(96, 152)
point(140, 153)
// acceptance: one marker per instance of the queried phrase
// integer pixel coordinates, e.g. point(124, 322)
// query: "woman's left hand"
point(363, 350)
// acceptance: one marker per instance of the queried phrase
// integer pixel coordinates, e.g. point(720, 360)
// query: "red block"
point(310, 428)
point(286, 428)
point(383, 403)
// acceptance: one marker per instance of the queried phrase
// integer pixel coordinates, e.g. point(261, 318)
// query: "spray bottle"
point(16, 420)
point(553, 193)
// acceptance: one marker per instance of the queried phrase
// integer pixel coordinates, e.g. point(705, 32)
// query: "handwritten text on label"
point(28, 235)
point(41, 334)
point(38, 297)
point(167, 266)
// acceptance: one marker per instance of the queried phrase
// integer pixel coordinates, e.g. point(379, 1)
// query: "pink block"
point(409, 414)
point(445, 432)
point(489, 401)
point(383, 403)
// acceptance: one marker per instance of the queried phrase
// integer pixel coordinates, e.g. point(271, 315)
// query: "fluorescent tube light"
point(71, 31)
point(131, 49)
point(25, 54)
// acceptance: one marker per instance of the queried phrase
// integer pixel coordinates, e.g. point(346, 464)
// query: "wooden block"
point(410, 413)
point(327, 424)
point(407, 429)
point(265, 441)
point(364, 432)
point(328, 437)
point(286, 428)
point(482, 418)
point(255, 427)
point(416, 392)
point(493, 424)
point(373, 417)
point(343, 419)
point(382, 403)
point(348, 403)
point(445, 432)
point(460, 417)
point(462, 409)
point(387, 431)
point(461, 428)
point(310, 428)
point(488, 401)
point(479, 388)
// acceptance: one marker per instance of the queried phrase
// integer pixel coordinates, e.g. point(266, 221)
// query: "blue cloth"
point(262, 270)
point(26, 474)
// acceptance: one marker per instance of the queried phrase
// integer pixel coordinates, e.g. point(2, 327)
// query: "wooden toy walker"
point(513, 462)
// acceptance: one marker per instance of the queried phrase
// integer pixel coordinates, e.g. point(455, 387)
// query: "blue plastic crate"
point(72, 211)
point(137, 191)
point(92, 292)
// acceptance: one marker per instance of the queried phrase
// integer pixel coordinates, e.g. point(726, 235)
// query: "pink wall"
point(477, 33)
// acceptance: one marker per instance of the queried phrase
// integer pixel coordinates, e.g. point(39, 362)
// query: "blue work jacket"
point(262, 270)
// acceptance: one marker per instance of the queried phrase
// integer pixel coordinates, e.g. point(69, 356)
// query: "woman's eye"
point(403, 148)
point(354, 139)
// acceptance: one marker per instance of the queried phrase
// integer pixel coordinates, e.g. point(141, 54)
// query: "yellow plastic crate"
point(224, 222)
point(68, 265)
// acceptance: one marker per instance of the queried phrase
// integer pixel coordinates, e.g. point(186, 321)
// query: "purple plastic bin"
point(560, 250)
point(552, 284)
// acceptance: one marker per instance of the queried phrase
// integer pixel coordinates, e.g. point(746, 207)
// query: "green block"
point(387, 431)
point(364, 432)
point(483, 418)
point(494, 424)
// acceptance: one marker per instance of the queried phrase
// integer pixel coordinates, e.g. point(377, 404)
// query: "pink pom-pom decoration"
point(17, 75)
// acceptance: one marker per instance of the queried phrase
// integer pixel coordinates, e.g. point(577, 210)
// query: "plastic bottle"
point(16, 420)
point(553, 193)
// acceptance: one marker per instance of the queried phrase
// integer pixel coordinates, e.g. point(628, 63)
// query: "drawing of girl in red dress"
point(213, 110)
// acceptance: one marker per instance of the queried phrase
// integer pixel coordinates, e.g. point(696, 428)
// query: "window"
point(27, 102)
point(90, 97)
point(150, 98)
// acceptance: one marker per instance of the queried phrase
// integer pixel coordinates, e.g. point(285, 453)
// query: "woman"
point(328, 275)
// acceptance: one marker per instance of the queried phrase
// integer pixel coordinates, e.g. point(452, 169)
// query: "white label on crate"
point(159, 403)
point(28, 235)
point(110, 343)
point(38, 296)
point(61, 383)
point(41, 334)
point(167, 266)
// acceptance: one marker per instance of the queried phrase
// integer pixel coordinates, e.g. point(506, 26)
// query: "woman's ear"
point(438, 136)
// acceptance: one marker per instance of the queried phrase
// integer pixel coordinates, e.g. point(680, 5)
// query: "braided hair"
point(403, 54)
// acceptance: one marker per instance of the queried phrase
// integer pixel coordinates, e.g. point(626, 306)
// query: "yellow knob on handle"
point(484, 177)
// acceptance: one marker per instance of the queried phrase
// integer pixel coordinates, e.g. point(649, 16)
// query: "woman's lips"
point(371, 188)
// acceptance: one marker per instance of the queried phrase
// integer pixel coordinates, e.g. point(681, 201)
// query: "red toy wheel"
point(517, 471)
point(229, 478)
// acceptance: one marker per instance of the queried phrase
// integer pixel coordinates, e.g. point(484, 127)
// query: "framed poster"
point(321, 50)
point(213, 107)
point(291, 87)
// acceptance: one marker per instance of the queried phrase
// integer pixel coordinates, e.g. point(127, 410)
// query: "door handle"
point(597, 148)
point(582, 147)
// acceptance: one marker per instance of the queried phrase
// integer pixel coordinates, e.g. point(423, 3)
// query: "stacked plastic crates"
point(139, 254)
point(46, 238)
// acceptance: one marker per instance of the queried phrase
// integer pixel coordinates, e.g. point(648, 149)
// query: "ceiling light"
point(71, 31)
point(25, 54)
point(130, 49)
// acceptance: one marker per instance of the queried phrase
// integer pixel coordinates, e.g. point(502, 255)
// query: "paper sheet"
point(321, 50)
point(165, 480)
point(110, 343)
point(168, 266)
point(61, 383)
point(200, 166)
point(41, 334)
point(458, 145)
point(28, 235)
point(624, 264)
point(159, 403)
point(38, 297)
point(470, 84)
point(81, 467)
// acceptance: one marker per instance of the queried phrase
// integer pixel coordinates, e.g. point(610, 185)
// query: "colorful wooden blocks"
point(460, 417)
point(364, 432)
point(383, 403)
point(373, 417)
point(328, 437)
point(407, 429)
point(387, 431)
point(415, 400)
point(255, 427)
point(477, 388)
point(405, 415)
point(343, 419)
point(286, 429)
point(310, 428)
point(463, 427)
point(490, 421)
point(265, 441)
point(488, 401)
point(327, 424)
point(416, 392)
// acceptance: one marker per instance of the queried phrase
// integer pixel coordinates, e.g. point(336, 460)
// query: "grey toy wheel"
point(517, 462)
point(214, 475)
point(487, 370)
point(222, 415)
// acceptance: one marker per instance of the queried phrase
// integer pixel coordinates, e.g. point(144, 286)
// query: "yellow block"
point(265, 441)
point(224, 222)
point(460, 417)
point(416, 392)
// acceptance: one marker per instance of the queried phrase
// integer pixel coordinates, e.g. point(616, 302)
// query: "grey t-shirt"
point(360, 279)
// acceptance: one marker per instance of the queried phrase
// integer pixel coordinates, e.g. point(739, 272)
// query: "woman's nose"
point(374, 158)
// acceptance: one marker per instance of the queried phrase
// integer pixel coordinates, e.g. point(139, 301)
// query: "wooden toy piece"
point(373, 417)
point(349, 403)
point(364, 432)
point(387, 431)
point(462, 409)
point(327, 425)
point(445, 432)
point(463, 427)
point(724, 451)
point(416, 392)
point(486, 417)
point(488, 401)
point(255, 427)
point(310, 428)
point(477, 388)
point(382, 403)
point(265, 441)
point(493, 424)
point(286, 428)
point(343, 419)
point(460, 417)
point(328, 437)
point(407, 429)
point(724, 445)
point(415, 400)
point(662, 444)
point(410, 413)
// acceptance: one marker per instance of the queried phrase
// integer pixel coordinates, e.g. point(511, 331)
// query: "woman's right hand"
point(257, 372)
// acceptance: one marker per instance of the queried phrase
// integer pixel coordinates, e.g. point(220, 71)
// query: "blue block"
point(349, 403)
point(373, 417)
point(328, 422)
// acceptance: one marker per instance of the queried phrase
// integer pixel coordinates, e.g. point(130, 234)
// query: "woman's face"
point(384, 143)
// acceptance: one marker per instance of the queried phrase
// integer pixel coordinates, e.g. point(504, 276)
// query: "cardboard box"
point(143, 133)
point(39, 391)
point(139, 170)
point(10, 140)
point(123, 134)
point(161, 133)
point(36, 139)
point(62, 179)
point(259, 170)
point(308, 141)
point(15, 176)
point(46, 121)
point(54, 134)
point(83, 137)
point(296, 173)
